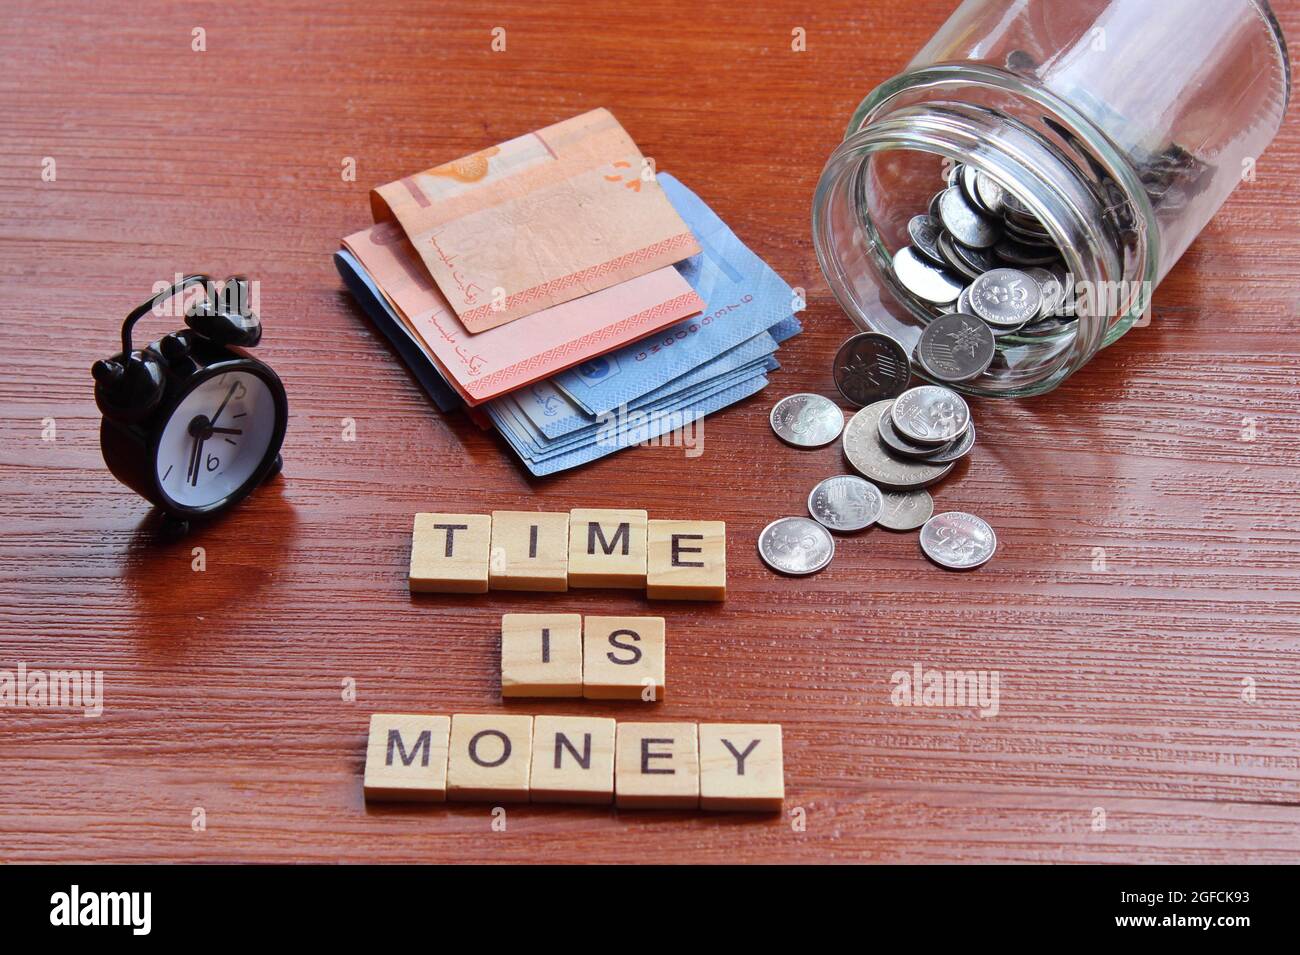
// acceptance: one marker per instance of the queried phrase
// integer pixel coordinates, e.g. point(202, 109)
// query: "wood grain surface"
point(1121, 691)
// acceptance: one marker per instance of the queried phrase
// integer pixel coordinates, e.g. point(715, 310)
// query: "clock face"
point(216, 439)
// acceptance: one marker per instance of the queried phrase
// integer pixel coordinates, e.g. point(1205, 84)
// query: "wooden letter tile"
point(406, 758)
point(573, 759)
point(491, 756)
point(530, 551)
point(541, 654)
point(607, 548)
point(741, 768)
point(449, 553)
point(687, 560)
point(657, 766)
point(623, 658)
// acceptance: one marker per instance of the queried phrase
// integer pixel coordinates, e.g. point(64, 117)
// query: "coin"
point(845, 503)
point(900, 445)
point(930, 414)
point(871, 458)
point(1051, 288)
point(966, 225)
point(963, 301)
point(990, 193)
point(1018, 253)
point(975, 262)
point(969, 182)
point(958, 541)
point(1005, 298)
point(807, 421)
point(955, 449)
point(956, 348)
point(796, 545)
point(924, 233)
point(905, 510)
point(948, 249)
point(923, 279)
point(870, 367)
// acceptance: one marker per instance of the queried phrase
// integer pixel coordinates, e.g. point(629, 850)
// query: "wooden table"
point(226, 734)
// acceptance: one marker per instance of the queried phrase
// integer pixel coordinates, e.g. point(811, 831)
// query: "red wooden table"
point(1149, 711)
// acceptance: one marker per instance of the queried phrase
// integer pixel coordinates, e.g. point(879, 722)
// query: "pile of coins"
point(903, 441)
point(985, 267)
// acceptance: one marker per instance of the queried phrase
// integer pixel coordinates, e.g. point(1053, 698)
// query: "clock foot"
point(276, 467)
point(173, 527)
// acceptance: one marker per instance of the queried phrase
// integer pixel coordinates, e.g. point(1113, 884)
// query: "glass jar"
point(1121, 126)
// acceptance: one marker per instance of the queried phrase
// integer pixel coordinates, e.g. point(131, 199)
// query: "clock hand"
point(194, 457)
point(198, 457)
point(226, 430)
point(222, 406)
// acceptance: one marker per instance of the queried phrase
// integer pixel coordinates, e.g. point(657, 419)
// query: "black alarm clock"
point(191, 422)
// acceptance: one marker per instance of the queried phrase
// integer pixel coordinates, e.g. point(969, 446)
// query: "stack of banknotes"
point(563, 293)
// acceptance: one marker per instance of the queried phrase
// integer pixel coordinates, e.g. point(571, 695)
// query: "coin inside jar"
point(871, 367)
point(965, 224)
point(807, 420)
point(956, 348)
point(923, 279)
point(1006, 298)
point(845, 503)
point(930, 414)
point(958, 541)
point(796, 545)
point(924, 233)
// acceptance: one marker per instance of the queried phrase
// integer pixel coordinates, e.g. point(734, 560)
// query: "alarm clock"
point(191, 422)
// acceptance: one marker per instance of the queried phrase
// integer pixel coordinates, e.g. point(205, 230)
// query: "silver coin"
point(897, 444)
point(969, 182)
point(964, 223)
point(924, 279)
point(905, 510)
point(845, 503)
point(934, 207)
point(807, 421)
point(963, 302)
point(1052, 290)
point(948, 249)
point(869, 456)
point(956, 449)
point(956, 348)
point(958, 541)
point(978, 261)
point(1005, 298)
point(924, 233)
point(871, 367)
point(930, 414)
point(1018, 253)
point(991, 194)
point(796, 545)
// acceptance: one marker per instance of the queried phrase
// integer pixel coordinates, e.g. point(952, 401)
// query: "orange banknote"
point(484, 365)
point(539, 220)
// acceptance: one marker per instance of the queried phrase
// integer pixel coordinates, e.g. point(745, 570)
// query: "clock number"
point(213, 462)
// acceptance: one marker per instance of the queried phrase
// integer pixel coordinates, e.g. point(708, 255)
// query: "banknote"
point(491, 363)
point(743, 296)
point(556, 414)
point(537, 446)
point(537, 221)
point(404, 341)
point(653, 424)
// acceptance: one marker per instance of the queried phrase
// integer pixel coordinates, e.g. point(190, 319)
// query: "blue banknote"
point(532, 443)
point(651, 427)
point(555, 414)
point(743, 297)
